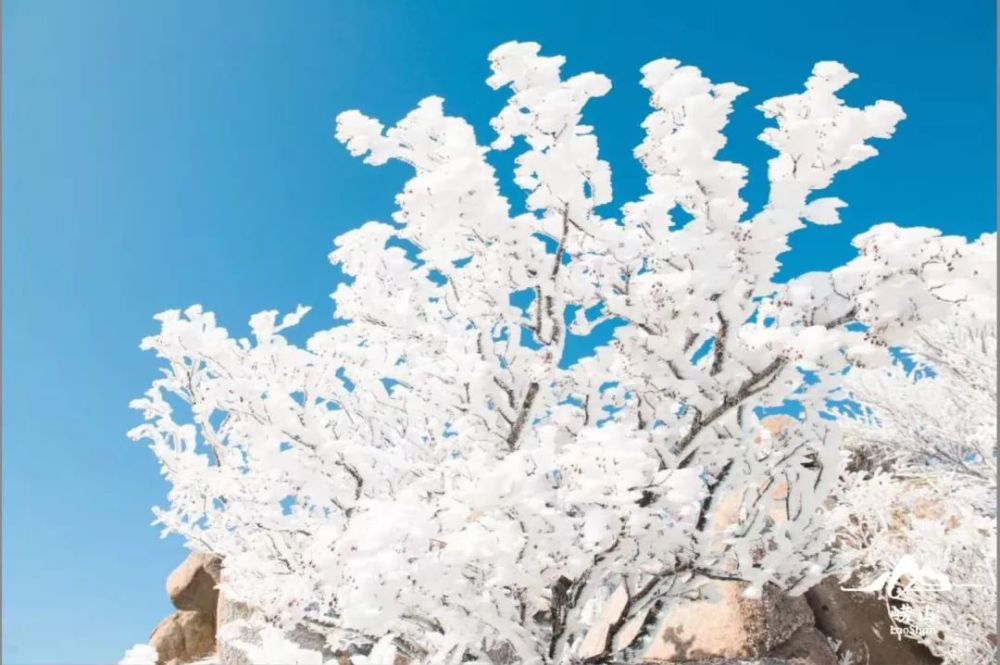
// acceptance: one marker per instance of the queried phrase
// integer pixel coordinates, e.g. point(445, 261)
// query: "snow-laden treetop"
point(429, 477)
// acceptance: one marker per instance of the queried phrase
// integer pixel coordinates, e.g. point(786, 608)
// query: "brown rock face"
point(774, 618)
point(808, 645)
point(192, 585)
point(732, 627)
point(861, 624)
point(183, 637)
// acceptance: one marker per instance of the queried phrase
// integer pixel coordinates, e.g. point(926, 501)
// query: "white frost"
point(431, 475)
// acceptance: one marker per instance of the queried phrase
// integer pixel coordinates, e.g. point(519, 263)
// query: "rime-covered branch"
point(431, 476)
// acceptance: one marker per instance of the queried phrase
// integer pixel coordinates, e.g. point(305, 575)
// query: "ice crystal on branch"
point(921, 486)
point(431, 476)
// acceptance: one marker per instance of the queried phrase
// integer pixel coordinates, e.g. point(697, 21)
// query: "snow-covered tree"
point(434, 478)
point(923, 487)
point(934, 410)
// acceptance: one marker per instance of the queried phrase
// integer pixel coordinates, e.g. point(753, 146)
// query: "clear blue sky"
point(159, 154)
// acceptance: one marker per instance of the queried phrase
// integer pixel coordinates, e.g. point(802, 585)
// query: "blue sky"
point(159, 154)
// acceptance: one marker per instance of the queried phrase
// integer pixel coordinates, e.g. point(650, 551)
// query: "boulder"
point(809, 645)
point(860, 622)
point(184, 637)
point(730, 626)
point(192, 585)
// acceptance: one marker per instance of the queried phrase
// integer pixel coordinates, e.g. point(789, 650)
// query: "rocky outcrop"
point(860, 623)
point(726, 627)
point(774, 629)
point(194, 584)
point(184, 637)
point(807, 645)
point(188, 635)
point(735, 627)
